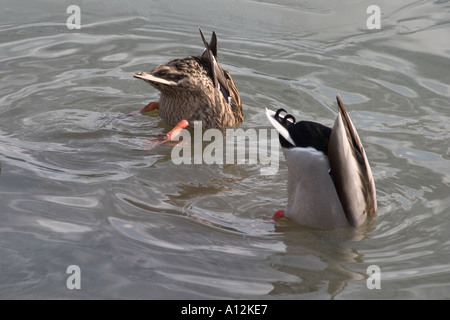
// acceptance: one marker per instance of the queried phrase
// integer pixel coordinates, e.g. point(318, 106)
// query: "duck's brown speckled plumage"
point(196, 89)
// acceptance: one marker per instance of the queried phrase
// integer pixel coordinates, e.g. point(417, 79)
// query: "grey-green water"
point(78, 187)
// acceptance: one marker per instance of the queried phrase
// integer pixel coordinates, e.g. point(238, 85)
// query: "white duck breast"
point(312, 197)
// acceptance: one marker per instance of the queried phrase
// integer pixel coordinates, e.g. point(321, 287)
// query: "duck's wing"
point(216, 70)
point(213, 44)
point(351, 170)
point(220, 77)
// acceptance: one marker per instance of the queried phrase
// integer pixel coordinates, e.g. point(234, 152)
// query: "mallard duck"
point(330, 183)
point(195, 88)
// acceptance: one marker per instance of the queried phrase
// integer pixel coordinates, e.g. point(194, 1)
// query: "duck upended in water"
point(330, 183)
point(195, 88)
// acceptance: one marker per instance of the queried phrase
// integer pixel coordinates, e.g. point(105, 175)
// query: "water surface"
point(78, 187)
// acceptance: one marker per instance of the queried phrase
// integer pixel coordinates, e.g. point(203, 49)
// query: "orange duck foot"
point(175, 131)
point(278, 215)
point(165, 137)
point(150, 107)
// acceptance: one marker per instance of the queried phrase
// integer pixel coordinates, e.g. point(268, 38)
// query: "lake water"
point(79, 187)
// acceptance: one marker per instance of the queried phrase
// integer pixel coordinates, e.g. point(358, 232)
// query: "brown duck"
point(195, 88)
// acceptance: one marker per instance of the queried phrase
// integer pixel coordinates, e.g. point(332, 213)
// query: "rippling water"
point(78, 187)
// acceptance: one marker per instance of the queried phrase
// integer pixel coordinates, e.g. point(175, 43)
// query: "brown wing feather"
point(221, 76)
point(351, 170)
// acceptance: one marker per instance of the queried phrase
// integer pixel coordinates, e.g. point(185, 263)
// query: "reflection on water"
point(79, 187)
point(320, 261)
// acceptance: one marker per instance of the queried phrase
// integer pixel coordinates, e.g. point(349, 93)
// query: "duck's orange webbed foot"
point(150, 107)
point(165, 137)
point(175, 131)
point(278, 215)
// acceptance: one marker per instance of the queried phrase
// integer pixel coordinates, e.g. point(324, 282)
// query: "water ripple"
point(78, 186)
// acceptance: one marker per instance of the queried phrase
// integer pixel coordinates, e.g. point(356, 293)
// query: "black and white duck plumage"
point(330, 183)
